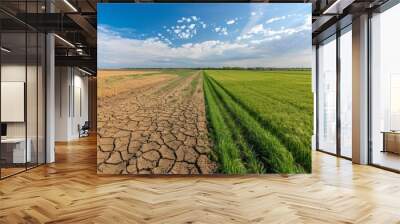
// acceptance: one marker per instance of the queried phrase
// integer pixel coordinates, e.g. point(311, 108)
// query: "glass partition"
point(327, 95)
point(13, 94)
point(346, 92)
point(22, 88)
point(385, 89)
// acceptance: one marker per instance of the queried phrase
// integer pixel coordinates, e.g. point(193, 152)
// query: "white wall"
point(33, 126)
point(13, 101)
point(70, 83)
point(14, 72)
point(79, 117)
point(62, 81)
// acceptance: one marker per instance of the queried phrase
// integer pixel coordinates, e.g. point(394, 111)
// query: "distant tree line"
point(230, 68)
point(255, 68)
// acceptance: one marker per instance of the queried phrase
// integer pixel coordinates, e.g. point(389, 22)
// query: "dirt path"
point(159, 129)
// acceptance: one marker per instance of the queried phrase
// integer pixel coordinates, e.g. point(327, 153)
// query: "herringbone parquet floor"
point(70, 191)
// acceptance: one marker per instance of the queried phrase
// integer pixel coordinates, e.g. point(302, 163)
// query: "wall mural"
point(204, 88)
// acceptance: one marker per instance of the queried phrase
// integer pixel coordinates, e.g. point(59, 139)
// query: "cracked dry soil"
point(157, 129)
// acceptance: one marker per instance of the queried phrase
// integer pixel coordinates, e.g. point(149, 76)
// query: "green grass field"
point(260, 121)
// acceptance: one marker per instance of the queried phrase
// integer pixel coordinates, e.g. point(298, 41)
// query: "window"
point(385, 89)
point(346, 92)
point(327, 95)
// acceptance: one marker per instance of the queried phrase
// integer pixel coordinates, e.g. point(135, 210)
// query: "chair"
point(84, 130)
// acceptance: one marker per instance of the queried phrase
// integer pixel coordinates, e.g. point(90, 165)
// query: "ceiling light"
point(86, 72)
point(331, 8)
point(70, 5)
point(5, 50)
point(79, 51)
point(65, 41)
point(337, 7)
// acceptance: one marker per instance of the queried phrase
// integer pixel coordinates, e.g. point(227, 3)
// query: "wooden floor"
point(5, 172)
point(387, 159)
point(70, 191)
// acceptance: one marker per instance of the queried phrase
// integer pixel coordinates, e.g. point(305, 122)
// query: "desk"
point(13, 150)
point(391, 141)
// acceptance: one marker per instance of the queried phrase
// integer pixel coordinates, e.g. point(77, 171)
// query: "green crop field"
point(260, 121)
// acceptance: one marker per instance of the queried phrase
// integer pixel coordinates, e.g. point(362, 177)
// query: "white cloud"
point(307, 22)
point(184, 35)
point(247, 50)
point(150, 51)
point(244, 37)
point(261, 31)
point(256, 29)
point(187, 19)
point(224, 31)
point(259, 41)
point(167, 41)
point(221, 30)
point(191, 26)
point(231, 22)
point(186, 27)
point(256, 18)
point(274, 19)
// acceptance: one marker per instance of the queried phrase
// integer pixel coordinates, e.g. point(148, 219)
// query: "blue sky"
point(201, 35)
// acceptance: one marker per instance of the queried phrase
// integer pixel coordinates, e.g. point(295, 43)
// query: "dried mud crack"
point(159, 129)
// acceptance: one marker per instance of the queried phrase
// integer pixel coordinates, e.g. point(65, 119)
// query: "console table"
point(391, 141)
